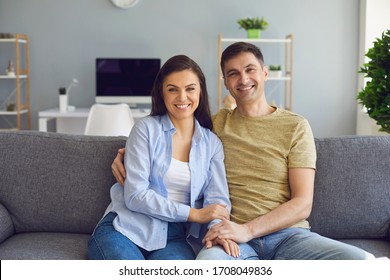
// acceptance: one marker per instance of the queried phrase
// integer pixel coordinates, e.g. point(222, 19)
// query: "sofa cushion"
point(55, 182)
point(45, 246)
point(352, 187)
point(6, 225)
point(378, 247)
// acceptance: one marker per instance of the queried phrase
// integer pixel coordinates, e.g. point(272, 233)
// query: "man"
point(270, 165)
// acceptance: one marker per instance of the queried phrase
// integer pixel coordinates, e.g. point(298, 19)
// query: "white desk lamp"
point(74, 83)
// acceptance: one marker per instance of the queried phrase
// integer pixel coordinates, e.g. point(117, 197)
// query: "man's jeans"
point(106, 243)
point(292, 244)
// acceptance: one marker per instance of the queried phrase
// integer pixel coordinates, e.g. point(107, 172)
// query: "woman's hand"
point(208, 213)
point(231, 247)
point(118, 168)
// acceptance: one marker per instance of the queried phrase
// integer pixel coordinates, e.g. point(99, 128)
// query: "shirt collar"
point(167, 125)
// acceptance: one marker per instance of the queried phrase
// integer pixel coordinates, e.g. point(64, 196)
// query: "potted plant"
point(10, 106)
point(253, 26)
point(375, 96)
point(275, 70)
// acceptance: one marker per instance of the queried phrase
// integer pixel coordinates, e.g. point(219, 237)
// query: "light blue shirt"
point(142, 205)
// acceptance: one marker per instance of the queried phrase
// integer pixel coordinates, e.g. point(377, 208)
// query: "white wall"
point(374, 19)
point(67, 36)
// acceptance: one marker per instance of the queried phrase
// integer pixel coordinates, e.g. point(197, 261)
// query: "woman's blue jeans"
point(106, 243)
point(292, 244)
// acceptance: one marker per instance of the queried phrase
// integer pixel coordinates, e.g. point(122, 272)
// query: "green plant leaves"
point(376, 94)
point(253, 23)
point(275, 67)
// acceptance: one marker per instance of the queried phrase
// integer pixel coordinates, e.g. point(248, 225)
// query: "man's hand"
point(208, 213)
point(118, 168)
point(227, 230)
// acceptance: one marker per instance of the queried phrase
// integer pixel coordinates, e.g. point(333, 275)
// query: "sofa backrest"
point(352, 187)
point(56, 182)
point(61, 183)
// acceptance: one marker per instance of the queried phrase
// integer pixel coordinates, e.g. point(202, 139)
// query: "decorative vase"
point(10, 68)
point(63, 100)
point(275, 74)
point(254, 33)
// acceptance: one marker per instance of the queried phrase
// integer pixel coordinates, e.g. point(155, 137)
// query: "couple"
point(175, 194)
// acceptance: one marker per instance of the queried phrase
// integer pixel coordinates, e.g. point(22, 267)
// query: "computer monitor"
point(127, 80)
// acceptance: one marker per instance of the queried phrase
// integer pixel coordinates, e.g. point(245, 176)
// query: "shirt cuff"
point(183, 212)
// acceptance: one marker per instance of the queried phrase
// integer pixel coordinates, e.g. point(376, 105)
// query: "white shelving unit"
point(288, 63)
point(20, 96)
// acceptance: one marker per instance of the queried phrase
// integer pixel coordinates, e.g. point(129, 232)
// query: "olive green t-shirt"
point(258, 153)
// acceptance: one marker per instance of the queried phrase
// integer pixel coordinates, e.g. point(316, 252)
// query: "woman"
point(175, 175)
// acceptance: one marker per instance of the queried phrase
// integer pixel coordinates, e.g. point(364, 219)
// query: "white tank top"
point(177, 179)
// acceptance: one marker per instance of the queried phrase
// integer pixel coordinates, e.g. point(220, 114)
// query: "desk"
point(73, 122)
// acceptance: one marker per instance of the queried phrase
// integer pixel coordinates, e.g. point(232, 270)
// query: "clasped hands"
point(227, 234)
point(209, 213)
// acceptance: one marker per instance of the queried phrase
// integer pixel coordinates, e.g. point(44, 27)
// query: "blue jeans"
point(293, 244)
point(106, 243)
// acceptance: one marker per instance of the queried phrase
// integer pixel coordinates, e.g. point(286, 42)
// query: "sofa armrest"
point(7, 226)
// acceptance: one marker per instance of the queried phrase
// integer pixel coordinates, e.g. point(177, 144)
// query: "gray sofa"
point(54, 188)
